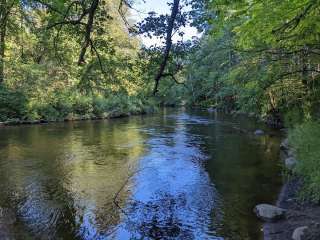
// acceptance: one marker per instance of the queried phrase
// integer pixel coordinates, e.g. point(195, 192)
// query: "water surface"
point(172, 175)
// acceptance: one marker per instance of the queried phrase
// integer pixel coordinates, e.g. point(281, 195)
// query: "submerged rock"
point(252, 114)
point(7, 216)
point(290, 163)
point(269, 213)
point(299, 233)
point(291, 153)
point(259, 132)
point(211, 109)
point(284, 144)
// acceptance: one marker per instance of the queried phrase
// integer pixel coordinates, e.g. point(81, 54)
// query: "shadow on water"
point(175, 175)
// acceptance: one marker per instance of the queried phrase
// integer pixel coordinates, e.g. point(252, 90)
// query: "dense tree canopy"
point(259, 56)
point(66, 55)
point(256, 56)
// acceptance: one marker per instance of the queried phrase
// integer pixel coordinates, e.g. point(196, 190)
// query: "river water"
point(172, 175)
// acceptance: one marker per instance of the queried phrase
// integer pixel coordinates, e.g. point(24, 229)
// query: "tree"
point(5, 8)
point(174, 13)
point(274, 52)
point(164, 27)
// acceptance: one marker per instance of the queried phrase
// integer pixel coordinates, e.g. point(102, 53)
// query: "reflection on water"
point(174, 175)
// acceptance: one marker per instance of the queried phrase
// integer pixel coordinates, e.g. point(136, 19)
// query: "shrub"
point(293, 117)
point(305, 139)
point(54, 107)
point(100, 106)
point(82, 105)
point(59, 105)
point(47, 111)
point(13, 104)
point(63, 105)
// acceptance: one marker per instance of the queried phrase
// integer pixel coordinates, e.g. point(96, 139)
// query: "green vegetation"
point(42, 76)
point(64, 60)
point(305, 139)
point(259, 56)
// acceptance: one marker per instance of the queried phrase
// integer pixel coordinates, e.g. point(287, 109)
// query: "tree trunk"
point(174, 13)
point(3, 28)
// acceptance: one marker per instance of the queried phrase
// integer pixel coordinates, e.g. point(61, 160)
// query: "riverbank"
point(76, 117)
point(301, 220)
point(300, 217)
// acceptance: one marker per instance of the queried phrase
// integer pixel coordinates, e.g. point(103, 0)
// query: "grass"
point(305, 139)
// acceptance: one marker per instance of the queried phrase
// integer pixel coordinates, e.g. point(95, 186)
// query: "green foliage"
point(13, 104)
point(42, 78)
point(82, 105)
point(53, 108)
point(305, 139)
point(100, 106)
point(293, 117)
point(259, 56)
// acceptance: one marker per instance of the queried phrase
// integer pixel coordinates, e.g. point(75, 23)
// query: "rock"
point(284, 144)
point(251, 114)
point(299, 233)
point(290, 163)
point(211, 109)
point(269, 213)
point(44, 121)
point(291, 153)
point(7, 216)
point(12, 122)
point(28, 122)
point(259, 132)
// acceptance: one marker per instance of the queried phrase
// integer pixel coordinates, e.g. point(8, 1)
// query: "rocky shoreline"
point(290, 219)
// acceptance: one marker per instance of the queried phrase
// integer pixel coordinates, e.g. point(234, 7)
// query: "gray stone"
point(252, 114)
point(299, 233)
point(7, 216)
point(233, 112)
point(291, 153)
point(284, 144)
point(259, 132)
point(269, 213)
point(290, 163)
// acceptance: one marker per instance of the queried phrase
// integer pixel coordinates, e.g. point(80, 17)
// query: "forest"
point(64, 60)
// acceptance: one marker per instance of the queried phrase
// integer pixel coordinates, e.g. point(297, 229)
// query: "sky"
point(160, 7)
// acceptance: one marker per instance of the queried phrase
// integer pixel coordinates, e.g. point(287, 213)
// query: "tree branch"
point(293, 23)
point(88, 30)
point(174, 13)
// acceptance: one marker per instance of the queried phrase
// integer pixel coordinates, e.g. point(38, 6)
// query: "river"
point(173, 175)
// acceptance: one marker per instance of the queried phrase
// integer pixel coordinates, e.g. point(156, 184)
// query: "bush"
point(68, 105)
point(100, 106)
point(293, 117)
point(46, 112)
point(13, 104)
point(82, 105)
point(305, 139)
point(54, 107)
